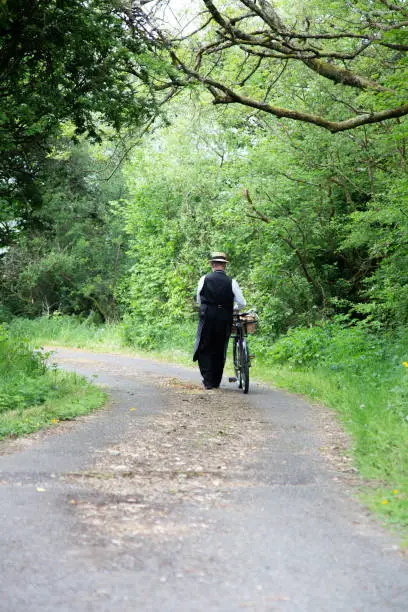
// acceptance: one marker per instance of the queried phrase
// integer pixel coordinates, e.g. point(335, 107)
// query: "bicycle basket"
point(248, 322)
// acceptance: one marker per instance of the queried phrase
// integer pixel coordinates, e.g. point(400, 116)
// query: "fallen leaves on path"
point(193, 454)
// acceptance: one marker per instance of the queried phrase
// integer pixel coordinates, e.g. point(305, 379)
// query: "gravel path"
point(177, 499)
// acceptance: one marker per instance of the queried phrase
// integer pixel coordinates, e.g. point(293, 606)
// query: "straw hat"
point(219, 258)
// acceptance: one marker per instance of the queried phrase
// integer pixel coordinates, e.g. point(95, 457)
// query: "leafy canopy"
point(352, 54)
point(64, 60)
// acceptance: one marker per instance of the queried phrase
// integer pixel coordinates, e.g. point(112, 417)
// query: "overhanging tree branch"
point(225, 95)
point(281, 40)
point(347, 50)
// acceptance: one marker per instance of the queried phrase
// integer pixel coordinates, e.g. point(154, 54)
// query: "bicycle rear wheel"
point(244, 367)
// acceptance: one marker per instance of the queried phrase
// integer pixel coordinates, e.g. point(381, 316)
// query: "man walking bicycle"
point(217, 294)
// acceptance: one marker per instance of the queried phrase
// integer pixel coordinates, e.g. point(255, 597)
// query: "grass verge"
point(167, 343)
point(69, 396)
point(379, 438)
point(363, 374)
point(33, 396)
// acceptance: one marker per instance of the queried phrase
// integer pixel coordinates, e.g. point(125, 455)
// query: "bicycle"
point(243, 323)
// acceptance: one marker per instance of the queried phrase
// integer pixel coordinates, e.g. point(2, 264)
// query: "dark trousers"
point(212, 350)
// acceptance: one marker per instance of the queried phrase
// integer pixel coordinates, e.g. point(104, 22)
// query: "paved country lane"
point(176, 499)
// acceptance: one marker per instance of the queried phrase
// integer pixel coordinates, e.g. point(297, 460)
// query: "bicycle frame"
point(241, 357)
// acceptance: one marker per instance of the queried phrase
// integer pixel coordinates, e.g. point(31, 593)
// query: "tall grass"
point(162, 339)
point(68, 331)
point(22, 380)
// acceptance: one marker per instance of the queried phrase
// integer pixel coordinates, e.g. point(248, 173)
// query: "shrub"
point(21, 373)
point(5, 314)
point(301, 346)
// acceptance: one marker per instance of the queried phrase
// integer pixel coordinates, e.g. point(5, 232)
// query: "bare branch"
point(396, 46)
point(394, 7)
point(341, 75)
point(258, 214)
point(216, 15)
point(297, 180)
point(279, 41)
point(267, 13)
point(251, 72)
point(191, 34)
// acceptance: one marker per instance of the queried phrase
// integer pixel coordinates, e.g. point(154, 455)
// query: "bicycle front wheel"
point(244, 366)
point(236, 351)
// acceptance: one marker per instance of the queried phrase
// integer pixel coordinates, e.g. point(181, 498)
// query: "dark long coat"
point(211, 313)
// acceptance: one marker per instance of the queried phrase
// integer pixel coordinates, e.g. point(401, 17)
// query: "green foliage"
point(174, 219)
point(302, 239)
point(5, 314)
point(58, 62)
point(344, 347)
point(382, 229)
point(70, 256)
point(320, 232)
point(302, 346)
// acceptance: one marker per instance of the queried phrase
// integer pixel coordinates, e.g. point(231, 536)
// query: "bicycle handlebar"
point(251, 312)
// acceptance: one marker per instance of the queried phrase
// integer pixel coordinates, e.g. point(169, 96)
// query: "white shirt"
point(239, 301)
